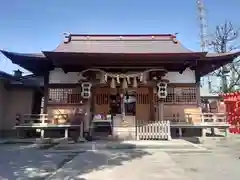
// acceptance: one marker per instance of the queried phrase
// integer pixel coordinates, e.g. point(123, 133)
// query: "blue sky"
point(36, 25)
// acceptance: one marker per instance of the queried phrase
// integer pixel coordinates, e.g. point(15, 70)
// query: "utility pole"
point(224, 72)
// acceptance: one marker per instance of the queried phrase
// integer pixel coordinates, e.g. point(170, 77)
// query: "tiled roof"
point(122, 44)
point(122, 50)
point(23, 80)
point(33, 62)
point(4, 75)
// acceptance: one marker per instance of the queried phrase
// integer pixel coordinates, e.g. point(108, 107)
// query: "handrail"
point(38, 118)
point(203, 117)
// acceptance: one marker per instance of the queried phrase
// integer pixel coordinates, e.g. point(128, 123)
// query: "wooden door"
point(101, 100)
point(143, 107)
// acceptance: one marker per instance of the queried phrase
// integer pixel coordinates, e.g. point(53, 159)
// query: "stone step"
point(98, 145)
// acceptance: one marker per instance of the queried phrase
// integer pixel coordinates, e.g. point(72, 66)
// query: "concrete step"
point(30, 141)
point(160, 145)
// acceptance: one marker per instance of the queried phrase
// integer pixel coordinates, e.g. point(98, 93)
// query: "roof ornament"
point(17, 73)
point(174, 38)
point(67, 37)
point(113, 83)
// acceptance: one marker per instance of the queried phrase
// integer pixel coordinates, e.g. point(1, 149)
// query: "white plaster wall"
point(58, 76)
point(188, 76)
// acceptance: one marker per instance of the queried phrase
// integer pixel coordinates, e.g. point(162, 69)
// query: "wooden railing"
point(42, 119)
point(214, 118)
point(34, 119)
point(41, 122)
point(199, 118)
point(153, 130)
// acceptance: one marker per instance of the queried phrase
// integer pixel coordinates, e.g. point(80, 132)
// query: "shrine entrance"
point(121, 102)
point(132, 102)
point(117, 108)
point(144, 97)
point(101, 125)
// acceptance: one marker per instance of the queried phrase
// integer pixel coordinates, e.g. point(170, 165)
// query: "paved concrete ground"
point(28, 162)
point(221, 162)
point(121, 164)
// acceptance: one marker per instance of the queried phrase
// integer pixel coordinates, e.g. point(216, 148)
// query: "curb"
point(92, 147)
point(172, 150)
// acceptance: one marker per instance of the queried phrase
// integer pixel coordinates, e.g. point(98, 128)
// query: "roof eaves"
point(33, 62)
point(6, 76)
point(228, 54)
point(8, 54)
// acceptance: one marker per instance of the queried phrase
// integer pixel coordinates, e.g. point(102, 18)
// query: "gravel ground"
point(221, 163)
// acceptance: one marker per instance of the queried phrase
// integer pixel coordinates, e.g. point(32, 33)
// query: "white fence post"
point(169, 130)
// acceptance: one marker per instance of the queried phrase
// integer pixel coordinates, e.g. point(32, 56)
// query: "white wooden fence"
point(153, 130)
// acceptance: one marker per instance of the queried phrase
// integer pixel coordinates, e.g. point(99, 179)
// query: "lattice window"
point(143, 98)
point(170, 95)
point(74, 98)
point(102, 98)
point(65, 95)
point(183, 95)
point(189, 95)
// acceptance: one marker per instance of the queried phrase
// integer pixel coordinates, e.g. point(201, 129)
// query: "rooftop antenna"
point(203, 34)
point(203, 25)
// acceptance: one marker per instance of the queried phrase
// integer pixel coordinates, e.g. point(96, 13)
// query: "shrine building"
point(125, 79)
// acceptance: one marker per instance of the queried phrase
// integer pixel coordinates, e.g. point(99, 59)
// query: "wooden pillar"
point(161, 104)
point(198, 81)
point(122, 95)
point(46, 93)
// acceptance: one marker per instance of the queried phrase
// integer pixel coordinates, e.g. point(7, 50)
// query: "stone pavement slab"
point(121, 164)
